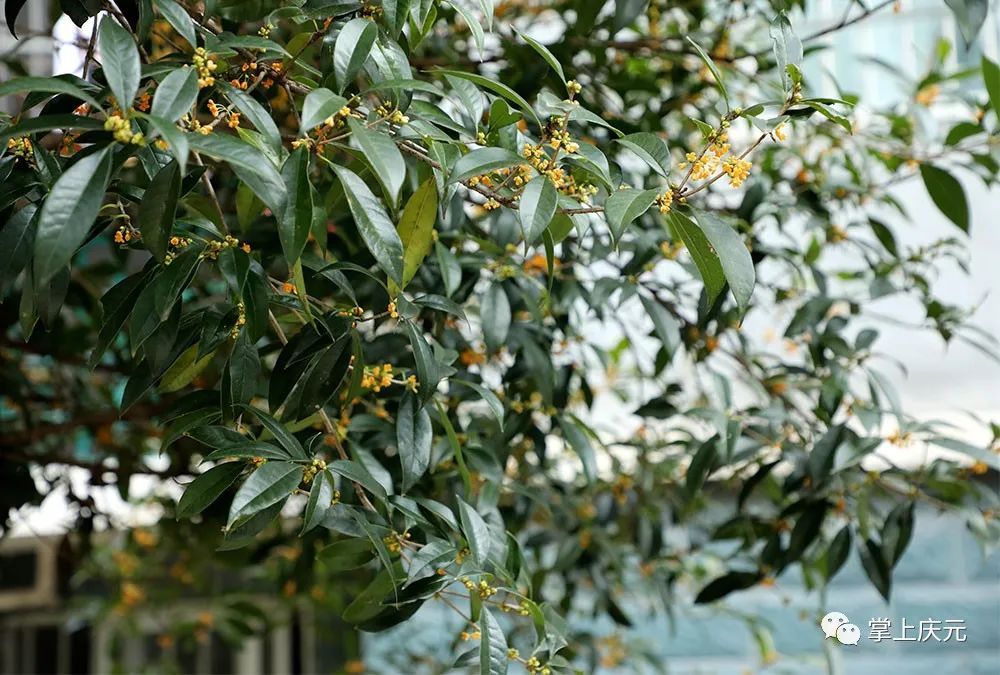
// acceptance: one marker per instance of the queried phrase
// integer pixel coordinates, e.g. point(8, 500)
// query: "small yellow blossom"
point(737, 169)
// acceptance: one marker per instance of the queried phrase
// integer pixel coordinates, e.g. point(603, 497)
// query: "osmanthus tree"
point(379, 271)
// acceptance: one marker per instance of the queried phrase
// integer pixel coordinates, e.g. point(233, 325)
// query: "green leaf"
point(319, 104)
point(293, 228)
point(544, 52)
point(259, 117)
point(580, 442)
point(704, 256)
point(787, 47)
point(320, 499)
point(360, 475)
point(246, 161)
point(243, 370)
point(247, 450)
point(495, 314)
point(947, 194)
point(49, 85)
point(737, 265)
point(413, 439)
point(354, 44)
point(476, 531)
point(16, 241)
point(837, 553)
point(537, 207)
point(373, 223)
point(823, 454)
point(651, 149)
point(991, 76)
point(176, 140)
point(481, 161)
point(496, 407)
point(175, 95)
point(68, 212)
point(712, 68)
point(624, 206)
point(206, 488)
point(665, 325)
point(157, 209)
point(472, 22)
point(120, 59)
point(497, 88)
point(428, 371)
point(178, 19)
point(970, 16)
point(187, 367)
point(726, 584)
point(875, 567)
point(383, 156)
point(492, 645)
point(279, 432)
point(416, 228)
point(268, 485)
point(806, 530)
point(897, 532)
point(346, 555)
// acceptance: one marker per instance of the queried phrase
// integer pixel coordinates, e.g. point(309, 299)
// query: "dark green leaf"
point(413, 439)
point(268, 485)
point(482, 161)
point(320, 499)
point(704, 256)
point(536, 208)
point(354, 44)
point(726, 584)
point(179, 20)
point(624, 206)
point(373, 223)
point(293, 228)
point(175, 95)
point(206, 488)
point(319, 104)
point(492, 645)
point(156, 212)
point(737, 265)
point(383, 156)
point(495, 314)
point(947, 193)
point(476, 531)
point(68, 212)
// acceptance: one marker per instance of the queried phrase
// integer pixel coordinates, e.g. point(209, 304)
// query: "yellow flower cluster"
point(737, 169)
point(191, 123)
point(377, 377)
point(573, 87)
point(394, 115)
point(241, 320)
point(20, 147)
point(701, 167)
point(265, 30)
point(122, 130)
point(491, 204)
point(779, 132)
point(535, 666)
point(205, 66)
point(560, 138)
point(314, 468)
point(543, 164)
point(144, 102)
point(215, 247)
point(928, 94)
point(125, 234)
point(482, 589)
point(474, 635)
point(394, 541)
point(665, 200)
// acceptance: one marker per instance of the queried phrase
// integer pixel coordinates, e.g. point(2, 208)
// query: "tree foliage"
point(383, 269)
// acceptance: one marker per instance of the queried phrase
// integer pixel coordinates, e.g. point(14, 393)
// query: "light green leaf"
point(580, 442)
point(666, 327)
point(472, 22)
point(947, 194)
point(494, 312)
point(383, 156)
point(970, 16)
point(544, 52)
point(733, 254)
point(483, 160)
point(787, 47)
point(712, 68)
point(259, 117)
point(157, 209)
point(319, 104)
point(476, 532)
point(187, 367)
point(120, 59)
point(178, 19)
point(354, 44)
point(416, 228)
point(704, 256)
point(492, 645)
point(496, 407)
point(413, 439)
point(320, 499)
point(651, 149)
point(537, 207)
point(68, 212)
point(268, 485)
point(175, 94)
point(624, 206)
point(373, 223)
point(991, 76)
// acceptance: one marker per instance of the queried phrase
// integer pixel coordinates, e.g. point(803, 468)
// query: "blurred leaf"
point(947, 194)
